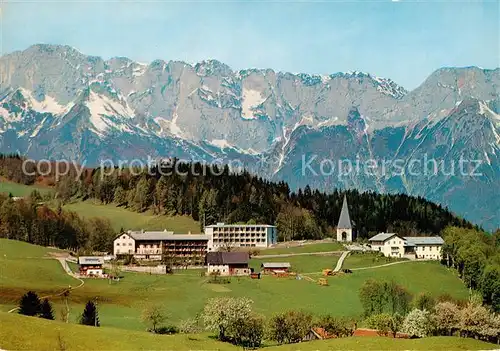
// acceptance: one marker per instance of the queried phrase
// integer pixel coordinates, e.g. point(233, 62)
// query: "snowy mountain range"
point(58, 103)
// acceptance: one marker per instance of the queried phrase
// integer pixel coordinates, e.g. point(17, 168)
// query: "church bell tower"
point(344, 227)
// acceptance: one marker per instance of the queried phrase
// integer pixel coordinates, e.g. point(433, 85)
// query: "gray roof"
point(344, 220)
point(218, 258)
point(382, 236)
point(167, 236)
point(424, 240)
point(91, 260)
point(239, 225)
point(276, 265)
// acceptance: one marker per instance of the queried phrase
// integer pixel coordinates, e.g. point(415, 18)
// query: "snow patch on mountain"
point(251, 99)
point(48, 105)
point(101, 106)
point(221, 143)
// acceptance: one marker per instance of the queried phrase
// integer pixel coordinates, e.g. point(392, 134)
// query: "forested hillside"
point(211, 195)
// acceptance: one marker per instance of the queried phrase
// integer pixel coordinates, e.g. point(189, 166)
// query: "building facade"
point(344, 226)
point(241, 235)
point(228, 263)
point(90, 266)
point(275, 267)
point(392, 245)
point(191, 248)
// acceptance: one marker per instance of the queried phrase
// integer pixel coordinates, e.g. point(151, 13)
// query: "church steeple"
point(344, 227)
point(345, 219)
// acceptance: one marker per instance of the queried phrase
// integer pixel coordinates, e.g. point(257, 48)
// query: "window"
point(117, 244)
point(124, 237)
point(129, 244)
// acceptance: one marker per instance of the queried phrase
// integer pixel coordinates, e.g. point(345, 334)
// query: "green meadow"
point(20, 189)
point(183, 294)
point(123, 218)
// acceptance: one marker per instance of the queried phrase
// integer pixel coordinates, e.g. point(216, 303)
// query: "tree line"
point(209, 194)
point(476, 257)
point(31, 221)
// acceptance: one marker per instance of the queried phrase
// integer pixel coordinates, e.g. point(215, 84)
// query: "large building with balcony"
point(412, 247)
point(240, 235)
point(155, 245)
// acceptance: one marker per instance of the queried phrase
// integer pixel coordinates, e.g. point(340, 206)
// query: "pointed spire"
point(344, 220)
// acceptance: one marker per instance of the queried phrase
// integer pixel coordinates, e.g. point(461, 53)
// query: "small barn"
point(228, 263)
point(91, 265)
point(275, 267)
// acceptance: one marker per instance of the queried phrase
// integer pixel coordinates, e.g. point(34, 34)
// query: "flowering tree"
point(417, 323)
point(446, 317)
point(222, 313)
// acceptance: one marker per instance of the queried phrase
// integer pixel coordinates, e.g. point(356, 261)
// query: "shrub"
point(170, 329)
point(446, 317)
point(418, 323)
point(221, 313)
point(424, 301)
point(248, 332)
point(336, 326)
point(290, 327)
point(189, 326)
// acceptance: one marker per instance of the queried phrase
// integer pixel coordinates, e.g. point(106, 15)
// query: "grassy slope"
point(30, 333)
point(301, 264)
point(184, 294)
point(123, 218)
point(20, 189)
point(24, 267)
point(320, 247)
point(382, 343)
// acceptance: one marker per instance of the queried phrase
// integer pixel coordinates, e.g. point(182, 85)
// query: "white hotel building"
point(412, 247)
point(241, 235)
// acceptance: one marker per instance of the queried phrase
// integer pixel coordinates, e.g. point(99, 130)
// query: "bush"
point(290, 327)
point(248, 332)
point(189, 326)
point(385, 323)
point(424, 301)
point(418, 323)
point(339, 327)
point(170, 329)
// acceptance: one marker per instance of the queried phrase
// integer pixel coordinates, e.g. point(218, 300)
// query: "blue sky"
point(402, 40)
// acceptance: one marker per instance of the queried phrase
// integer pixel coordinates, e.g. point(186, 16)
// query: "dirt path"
point(340, 262)
point(387, 264)
point(299, 254)
point(68, 271)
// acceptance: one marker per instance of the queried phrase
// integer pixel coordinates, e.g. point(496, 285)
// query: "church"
point(344, 227)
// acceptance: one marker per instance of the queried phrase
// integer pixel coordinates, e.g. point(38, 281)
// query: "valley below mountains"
point(440, 141)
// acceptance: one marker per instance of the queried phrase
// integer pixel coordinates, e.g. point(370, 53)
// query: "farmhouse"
point(275, 267)
point(154, 245)
point(344, 226)
point(90, 265)
point(392, 245)
point(228, 263)
point(241, 235)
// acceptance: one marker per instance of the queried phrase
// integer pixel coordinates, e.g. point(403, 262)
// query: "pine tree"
point(89, 315)
point(29, 304)
point(46, 310)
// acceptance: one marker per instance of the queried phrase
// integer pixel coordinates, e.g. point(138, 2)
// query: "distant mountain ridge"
point(59, 103)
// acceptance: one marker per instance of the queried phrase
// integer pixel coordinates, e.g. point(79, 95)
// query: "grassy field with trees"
point(17, 334)
point(183, 294)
